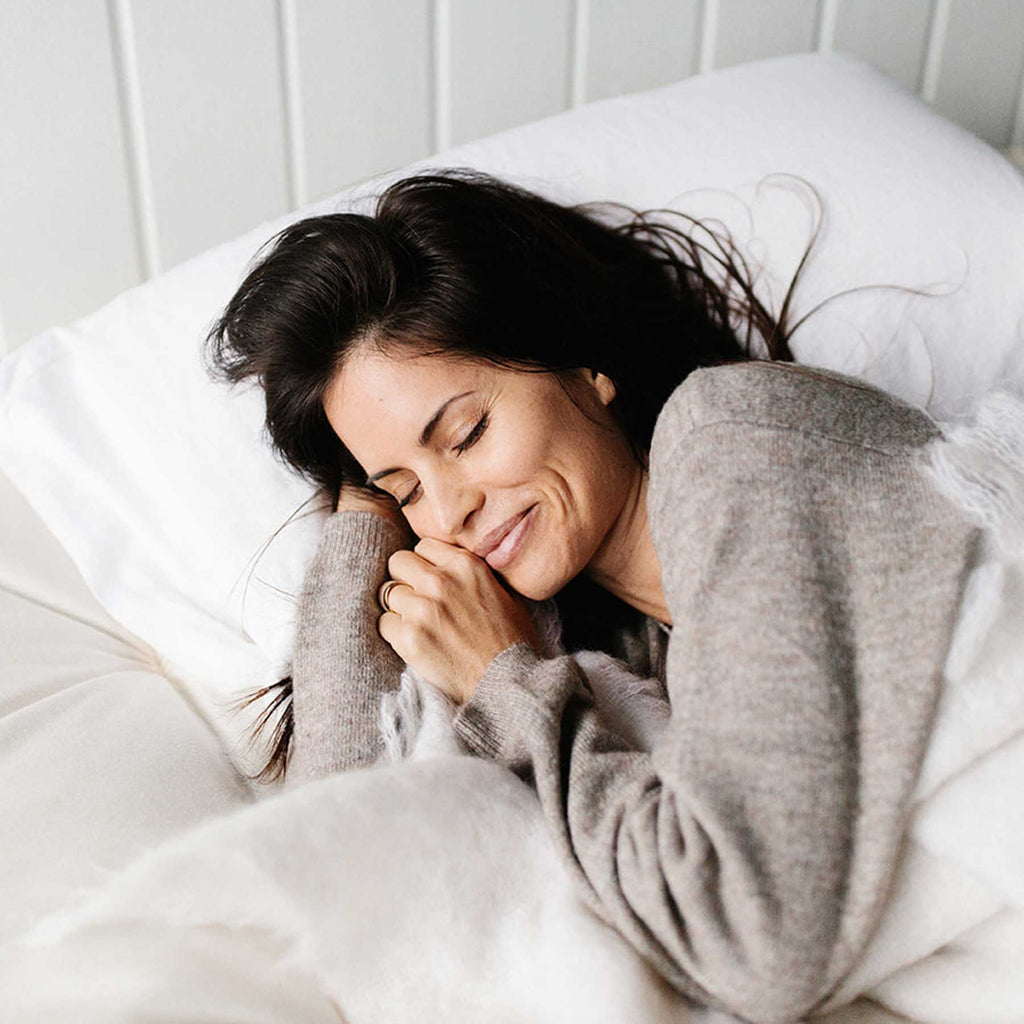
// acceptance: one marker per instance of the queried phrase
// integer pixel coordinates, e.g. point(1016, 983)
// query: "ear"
point(604, 386)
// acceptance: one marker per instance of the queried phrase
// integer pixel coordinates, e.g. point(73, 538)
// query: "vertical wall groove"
point(933, 53)
point(129, 94)
point(708, 39)
point(1017, 136)
point(441, 45)
point(828, 15)
point(580, 50)
point(291, 94)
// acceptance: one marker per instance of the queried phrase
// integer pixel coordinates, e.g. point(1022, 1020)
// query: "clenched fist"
point(451, 615)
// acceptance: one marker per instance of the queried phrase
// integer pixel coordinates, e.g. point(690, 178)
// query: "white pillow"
point(163, 491)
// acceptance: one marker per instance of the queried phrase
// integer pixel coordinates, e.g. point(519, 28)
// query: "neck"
point(626, 563)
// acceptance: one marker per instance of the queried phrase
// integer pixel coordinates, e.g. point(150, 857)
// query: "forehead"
point(399, 392)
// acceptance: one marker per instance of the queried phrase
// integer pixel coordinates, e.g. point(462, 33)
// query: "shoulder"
point(747, 448)
point(737, 398)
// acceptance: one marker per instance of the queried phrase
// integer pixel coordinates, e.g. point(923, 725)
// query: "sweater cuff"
point(519, 698)
point(360, 541)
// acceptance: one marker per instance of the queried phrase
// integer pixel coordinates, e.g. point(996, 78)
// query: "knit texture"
point(342, 665)
point(813, 574)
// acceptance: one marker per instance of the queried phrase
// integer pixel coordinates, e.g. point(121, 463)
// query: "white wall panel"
point(137, 132)
point(210, 79)
point(366, 87)
point(66, 235)
point(1017, 139)
point(892, 36)
point(510, 63)
point(982, 64)
point(752, 29)
point(639, 45)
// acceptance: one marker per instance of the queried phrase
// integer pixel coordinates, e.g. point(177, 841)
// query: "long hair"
point(457, 261)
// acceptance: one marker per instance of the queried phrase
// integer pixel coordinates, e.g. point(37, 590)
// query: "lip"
point(491, 540)
point(508, 543)
point(495, 537)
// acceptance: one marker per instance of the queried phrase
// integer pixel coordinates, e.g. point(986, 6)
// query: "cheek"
point(576, 461)
point(516, 461)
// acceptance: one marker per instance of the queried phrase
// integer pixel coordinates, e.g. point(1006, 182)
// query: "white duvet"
point(345, 896)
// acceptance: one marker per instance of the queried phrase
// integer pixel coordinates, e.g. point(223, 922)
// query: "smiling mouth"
point(495, 537)
point(508, 547)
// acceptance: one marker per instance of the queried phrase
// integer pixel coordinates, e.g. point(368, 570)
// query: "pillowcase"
point(160, 483)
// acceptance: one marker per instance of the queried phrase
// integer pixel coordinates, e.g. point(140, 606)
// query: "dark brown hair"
point(458, 261)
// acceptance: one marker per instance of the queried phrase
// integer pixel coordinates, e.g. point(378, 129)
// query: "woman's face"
point(467, 449)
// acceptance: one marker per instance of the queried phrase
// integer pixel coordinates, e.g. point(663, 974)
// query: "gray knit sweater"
point(813, 575)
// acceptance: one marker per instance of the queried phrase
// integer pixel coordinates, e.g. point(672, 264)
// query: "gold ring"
point(385, 590)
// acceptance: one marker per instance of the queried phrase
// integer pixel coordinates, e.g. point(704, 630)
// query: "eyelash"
point(471, 439)
point(473, 436)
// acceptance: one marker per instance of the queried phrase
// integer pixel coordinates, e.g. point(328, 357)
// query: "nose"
point(454, 504)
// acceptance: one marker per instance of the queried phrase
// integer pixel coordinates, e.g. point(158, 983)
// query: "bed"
point(151, 550)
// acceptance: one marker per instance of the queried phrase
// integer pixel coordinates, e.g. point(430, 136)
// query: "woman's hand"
point(451, 616)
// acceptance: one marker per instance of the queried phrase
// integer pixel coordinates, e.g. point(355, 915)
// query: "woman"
point(559, 407)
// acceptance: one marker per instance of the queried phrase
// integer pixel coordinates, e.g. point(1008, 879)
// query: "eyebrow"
point(425, 435)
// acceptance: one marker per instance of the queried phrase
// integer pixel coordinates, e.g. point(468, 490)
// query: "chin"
point(534, 593)
point(537, 586)
point(542, 569)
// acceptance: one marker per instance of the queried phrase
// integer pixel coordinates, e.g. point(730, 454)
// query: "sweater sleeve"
point(341, 664)
point(724, 854)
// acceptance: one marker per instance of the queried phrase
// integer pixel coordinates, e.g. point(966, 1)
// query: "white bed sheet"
point(101, 755)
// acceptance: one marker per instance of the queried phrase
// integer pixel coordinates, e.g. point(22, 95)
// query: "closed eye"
point(471, 439)
point(406, 500)
point(474, 435)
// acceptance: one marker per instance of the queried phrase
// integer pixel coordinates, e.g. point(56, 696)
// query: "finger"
point(385, 590)
point(388, 625)
point(399, 598)
point(443, 555)
point(427, 577)
point(409, 567)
